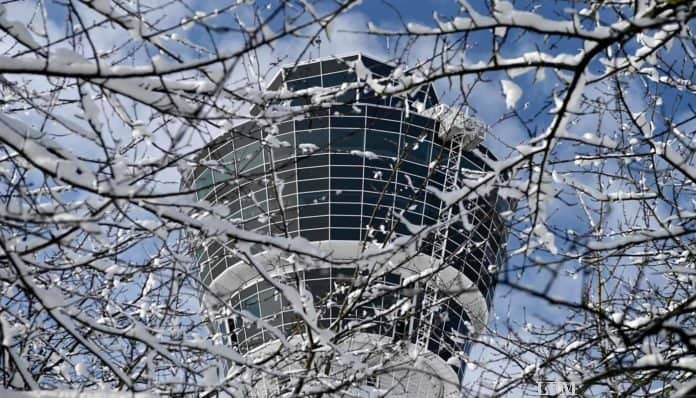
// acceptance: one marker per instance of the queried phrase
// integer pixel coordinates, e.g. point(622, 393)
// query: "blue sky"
point(487, 100)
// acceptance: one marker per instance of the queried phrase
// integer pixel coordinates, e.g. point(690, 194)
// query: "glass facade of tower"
point(365, 171)
point(327, 286)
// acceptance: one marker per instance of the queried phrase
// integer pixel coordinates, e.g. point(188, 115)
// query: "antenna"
point(317, 42)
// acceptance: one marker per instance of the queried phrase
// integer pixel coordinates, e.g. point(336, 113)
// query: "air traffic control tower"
point(356, 172)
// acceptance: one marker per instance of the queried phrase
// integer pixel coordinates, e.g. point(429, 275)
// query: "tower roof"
point(334, 70)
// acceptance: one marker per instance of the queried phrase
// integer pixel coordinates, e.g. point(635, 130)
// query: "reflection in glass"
point(382, 144)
